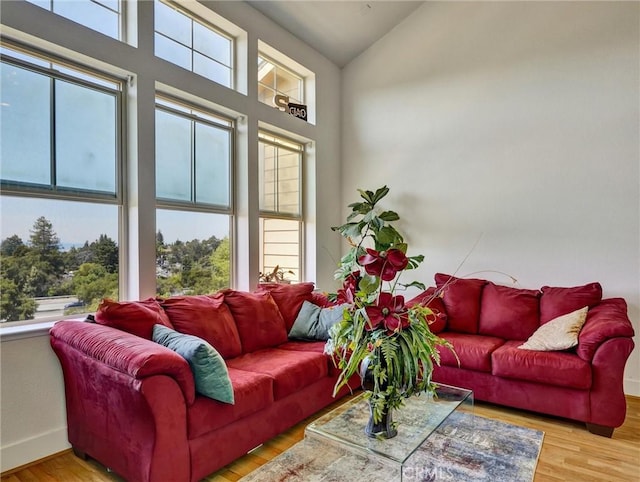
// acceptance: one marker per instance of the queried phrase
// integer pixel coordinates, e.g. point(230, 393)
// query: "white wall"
point(513, 123)
point(31, 390)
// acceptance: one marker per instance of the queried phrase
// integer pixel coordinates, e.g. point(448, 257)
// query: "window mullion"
point(276, 179)
point(52, 130)
point(193, 162)
point(191, 47)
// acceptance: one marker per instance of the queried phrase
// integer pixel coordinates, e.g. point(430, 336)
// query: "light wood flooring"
point(569, 452)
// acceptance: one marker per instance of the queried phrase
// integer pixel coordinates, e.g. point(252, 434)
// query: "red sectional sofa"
point(487, 323)
point(132, 403)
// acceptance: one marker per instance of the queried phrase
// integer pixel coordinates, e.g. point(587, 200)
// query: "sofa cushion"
point(313, 347)
point(461, 299)
point(560, 301)
point(136, 317)
point(509, 313)
point(209, 370)
point(207, 317)
point(252, 392)
point(320, 298)
point(257, 318)
point(314, 322)
point(428, 298)
point(474, 351)
point(560, 333)
point(290, 370)
point(289, 298)
point(559, 368)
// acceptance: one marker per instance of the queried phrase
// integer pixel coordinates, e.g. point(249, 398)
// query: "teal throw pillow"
point(313, 322)
point(209, 369)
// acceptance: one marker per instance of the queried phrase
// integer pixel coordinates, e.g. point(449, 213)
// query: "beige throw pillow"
point(558, 334)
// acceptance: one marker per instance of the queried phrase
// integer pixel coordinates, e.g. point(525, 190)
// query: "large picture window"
point(61, 196)
point(280, 175)
point(193, 189)
point(192, 43)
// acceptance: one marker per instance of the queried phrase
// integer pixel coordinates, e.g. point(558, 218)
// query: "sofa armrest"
point(607, 320)
point(126, 353)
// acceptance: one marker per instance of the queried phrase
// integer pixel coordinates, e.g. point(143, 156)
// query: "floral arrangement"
point(378, 330)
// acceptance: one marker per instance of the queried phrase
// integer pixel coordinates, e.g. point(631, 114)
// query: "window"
point(60, 202)
point(104, 16)
point(193, 190)
point(274, 79)
point(192, 43)
point(280, 177)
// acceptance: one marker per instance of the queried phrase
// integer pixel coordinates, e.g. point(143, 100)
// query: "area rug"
point(465, 447)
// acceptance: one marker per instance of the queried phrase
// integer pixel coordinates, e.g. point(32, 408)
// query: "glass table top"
point(420, 416)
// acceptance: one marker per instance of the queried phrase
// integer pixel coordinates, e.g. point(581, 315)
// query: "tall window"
point(280, 165)
point(274, 79)
point(104, 16)
point(193, 190)
point(192, 43)
point(59, 169)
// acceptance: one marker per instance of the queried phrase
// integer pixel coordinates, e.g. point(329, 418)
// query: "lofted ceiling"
point(340, 30)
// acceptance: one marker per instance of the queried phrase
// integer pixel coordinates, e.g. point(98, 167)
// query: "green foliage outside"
point(40, 268)
point(192, 267)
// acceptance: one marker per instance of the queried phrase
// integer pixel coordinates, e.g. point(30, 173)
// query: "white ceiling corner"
point(340, 30)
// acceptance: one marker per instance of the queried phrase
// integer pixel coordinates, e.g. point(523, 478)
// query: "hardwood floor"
point(569, 452)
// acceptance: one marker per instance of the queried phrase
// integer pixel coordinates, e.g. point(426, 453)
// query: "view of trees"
point(40, 267)
point(192, 267)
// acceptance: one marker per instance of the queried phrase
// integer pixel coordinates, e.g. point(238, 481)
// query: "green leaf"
point(355, 230)
point(389, 216)
point(414, 261)
point(380, 193)
point(367, 196)
point(350, 230)
point(388, 236)
point(369, 284)
point(414, 284)
point(372, 220)
point(349, 257)
point(358, 208)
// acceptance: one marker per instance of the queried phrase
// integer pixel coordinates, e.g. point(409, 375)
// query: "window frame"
point(283, 142)
point(122, 16)
point(56, 193)
point(194, 17)
point(225, 123)
point(53, 191)
point(279, 65)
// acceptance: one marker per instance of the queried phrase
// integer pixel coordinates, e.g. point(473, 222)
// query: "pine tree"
point(43, 238)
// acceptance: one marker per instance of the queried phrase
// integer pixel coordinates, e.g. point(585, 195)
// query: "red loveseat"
point(132, 404)
point(486, 323)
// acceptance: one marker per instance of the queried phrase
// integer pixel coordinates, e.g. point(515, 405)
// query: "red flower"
point(349, 288)
point(390, 311)
point(384, 264)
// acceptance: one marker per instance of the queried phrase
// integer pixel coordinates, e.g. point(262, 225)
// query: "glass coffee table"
point(418, 419)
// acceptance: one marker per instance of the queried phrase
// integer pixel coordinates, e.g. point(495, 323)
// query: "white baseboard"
point(632, 387)
point(32, 449)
